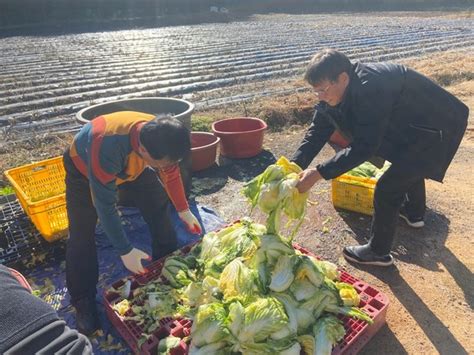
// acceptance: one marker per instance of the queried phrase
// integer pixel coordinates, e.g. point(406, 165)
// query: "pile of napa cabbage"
point(248, 291)
point(246, 288)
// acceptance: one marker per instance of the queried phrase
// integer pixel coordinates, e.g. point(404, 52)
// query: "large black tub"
point(181, 109)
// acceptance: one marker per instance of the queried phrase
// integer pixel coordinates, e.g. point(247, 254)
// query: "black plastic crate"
point(19, 239)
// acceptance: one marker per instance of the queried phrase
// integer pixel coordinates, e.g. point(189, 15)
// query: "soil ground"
point(431, 285)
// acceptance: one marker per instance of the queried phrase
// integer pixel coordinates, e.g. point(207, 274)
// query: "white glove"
point(133, 261)
point(191, 222)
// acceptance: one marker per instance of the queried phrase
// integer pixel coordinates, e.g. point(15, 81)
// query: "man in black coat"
point(387, 112)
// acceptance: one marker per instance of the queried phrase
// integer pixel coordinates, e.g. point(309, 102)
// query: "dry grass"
point(452, 70)
point(287, 110)
point(459, 14)
point(447, 68)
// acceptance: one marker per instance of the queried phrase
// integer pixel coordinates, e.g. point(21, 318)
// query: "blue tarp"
point(49, 276)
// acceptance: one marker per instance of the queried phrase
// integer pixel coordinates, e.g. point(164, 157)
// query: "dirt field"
point(431, 285)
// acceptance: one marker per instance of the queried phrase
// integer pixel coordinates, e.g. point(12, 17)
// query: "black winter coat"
point(391, 112)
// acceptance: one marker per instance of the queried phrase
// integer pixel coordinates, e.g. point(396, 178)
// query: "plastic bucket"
point(203, 150)
point(241, 137)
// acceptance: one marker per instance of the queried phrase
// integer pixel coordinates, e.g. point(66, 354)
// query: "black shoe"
point(414, 222)
point(363, 254)
point(87, 320)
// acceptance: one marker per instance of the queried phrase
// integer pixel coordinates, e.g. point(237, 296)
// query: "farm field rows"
point(46, 79)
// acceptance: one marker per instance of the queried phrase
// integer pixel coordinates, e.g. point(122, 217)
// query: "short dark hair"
point(327, 65)
point(165, 137)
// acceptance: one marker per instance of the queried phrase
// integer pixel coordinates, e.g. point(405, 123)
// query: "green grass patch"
point(201, 123)
point(7, 190)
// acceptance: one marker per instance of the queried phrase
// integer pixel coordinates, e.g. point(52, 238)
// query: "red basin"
point(241, 137)
point(338, 139)
point(203, 150)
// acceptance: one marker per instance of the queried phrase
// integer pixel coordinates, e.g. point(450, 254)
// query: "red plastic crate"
point(130, 330)
point(372, 301)
point(358, 333)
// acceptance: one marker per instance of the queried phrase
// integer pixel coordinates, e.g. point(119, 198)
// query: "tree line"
point(36, 12)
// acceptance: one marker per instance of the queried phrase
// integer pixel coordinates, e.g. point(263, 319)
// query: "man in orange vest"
point(127, 152)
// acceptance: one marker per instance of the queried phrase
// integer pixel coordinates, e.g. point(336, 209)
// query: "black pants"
point(394, 188)
point(146, 193)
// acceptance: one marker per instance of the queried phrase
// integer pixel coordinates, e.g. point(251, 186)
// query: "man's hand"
point(308, 178)
point(191, 222)
point(133, 261)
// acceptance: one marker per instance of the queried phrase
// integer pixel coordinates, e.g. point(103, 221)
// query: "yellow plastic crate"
point(354, 193)
point(41, 190)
